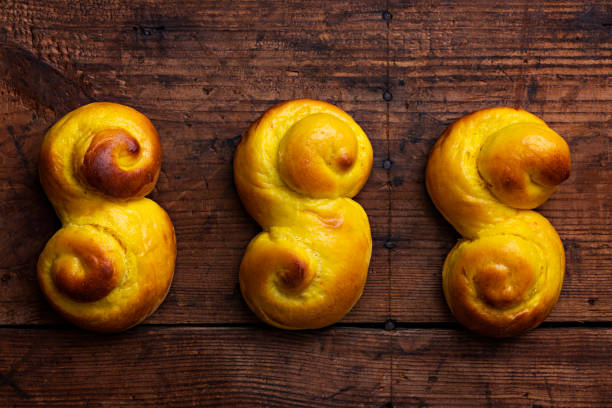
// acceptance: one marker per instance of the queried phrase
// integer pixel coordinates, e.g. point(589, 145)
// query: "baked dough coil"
point(484, 174)
point(296, 169)
point(112, 263)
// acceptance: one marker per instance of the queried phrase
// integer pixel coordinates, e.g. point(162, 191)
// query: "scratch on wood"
point(342, 391)
point(595, 19)
point(18, 146)
point(38, 83)
point(7, 379)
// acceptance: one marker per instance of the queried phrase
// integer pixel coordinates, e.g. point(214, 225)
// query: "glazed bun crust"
point(112, 263)
point(484, 174)
point(296, 169)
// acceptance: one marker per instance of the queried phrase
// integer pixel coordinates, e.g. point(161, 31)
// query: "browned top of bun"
point(112, 263)
point(296, 170)
point(484, 174)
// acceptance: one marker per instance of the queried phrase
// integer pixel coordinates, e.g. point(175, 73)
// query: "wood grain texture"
point(202, 72)
point(543, 368)
point(203, 76)
point(551, 58)
point(341, 367)
point(204, 367)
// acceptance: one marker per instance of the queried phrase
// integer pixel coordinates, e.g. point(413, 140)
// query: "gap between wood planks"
point(389, 325)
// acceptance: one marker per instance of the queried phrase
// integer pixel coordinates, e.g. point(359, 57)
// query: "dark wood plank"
point(551, 58)
point(204, 367)
point(336, 367)
point(202, 71)
point(542, 368)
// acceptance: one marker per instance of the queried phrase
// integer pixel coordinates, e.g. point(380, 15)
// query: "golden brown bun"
point(484, 173)
point(112, 263)
point(296, 169)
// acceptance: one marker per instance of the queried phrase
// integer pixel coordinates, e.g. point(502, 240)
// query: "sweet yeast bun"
point(484, 174)
point(112, 263)
point(296, 169)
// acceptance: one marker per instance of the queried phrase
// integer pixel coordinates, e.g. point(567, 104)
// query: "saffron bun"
point(111, 264)
point(296, 170)
point(485, 174)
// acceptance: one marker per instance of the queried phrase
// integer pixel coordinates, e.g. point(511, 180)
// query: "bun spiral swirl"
point(112, 263)
point(484, 174)
point(296, 169)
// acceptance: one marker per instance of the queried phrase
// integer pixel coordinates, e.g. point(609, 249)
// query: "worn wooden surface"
point(337, 367)
point(203, 71)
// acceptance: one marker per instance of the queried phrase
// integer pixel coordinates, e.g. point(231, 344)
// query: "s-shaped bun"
point(296, 170)
point(111, 264)
point(484, 174)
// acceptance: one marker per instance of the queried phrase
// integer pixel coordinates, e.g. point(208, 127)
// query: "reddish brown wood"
point(188, 71)
point(542, 368)
point(203, 71)
point(203, 367)
point(352, 367)
point(553, 59)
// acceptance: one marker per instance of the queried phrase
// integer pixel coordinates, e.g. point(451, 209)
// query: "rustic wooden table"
point(203, 71)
